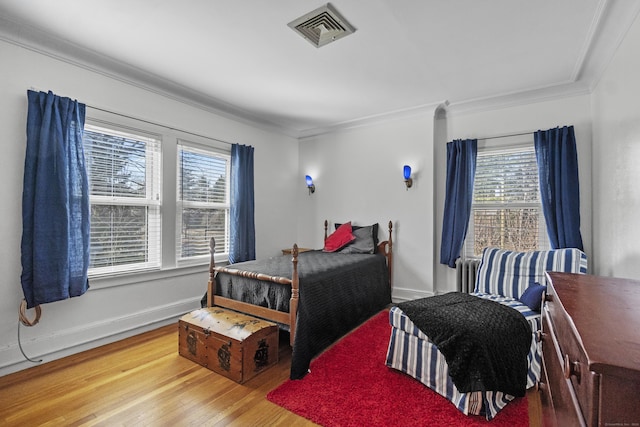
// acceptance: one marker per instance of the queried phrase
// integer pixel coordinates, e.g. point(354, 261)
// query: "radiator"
point(466, 271)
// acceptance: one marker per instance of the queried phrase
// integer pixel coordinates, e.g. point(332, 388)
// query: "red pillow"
point(339, 238)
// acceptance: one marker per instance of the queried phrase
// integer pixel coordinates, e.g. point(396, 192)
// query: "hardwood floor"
point(143, 381)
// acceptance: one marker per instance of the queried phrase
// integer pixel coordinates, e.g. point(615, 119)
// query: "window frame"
point(151, 201)
point(505, 145)
point(182, 204)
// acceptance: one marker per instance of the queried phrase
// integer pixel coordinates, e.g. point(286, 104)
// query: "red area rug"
point(350, 385)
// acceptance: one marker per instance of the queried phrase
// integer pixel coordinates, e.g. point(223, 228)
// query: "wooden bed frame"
point(384, 247)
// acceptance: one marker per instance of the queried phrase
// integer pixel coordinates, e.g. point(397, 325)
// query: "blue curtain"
point(242, 246)
point(461, 170)
point(55, 201)
point(557, 159)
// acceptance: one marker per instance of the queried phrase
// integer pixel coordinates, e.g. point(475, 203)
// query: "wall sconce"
point(310, 185)
point(408, 181)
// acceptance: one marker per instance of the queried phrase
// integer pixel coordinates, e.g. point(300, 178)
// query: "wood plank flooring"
point(143, 381)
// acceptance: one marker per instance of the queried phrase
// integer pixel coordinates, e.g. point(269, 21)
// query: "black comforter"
point(484, 342)
point(337, 293)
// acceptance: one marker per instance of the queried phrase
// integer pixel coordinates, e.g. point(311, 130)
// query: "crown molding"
point(38, 41)
point(610, 25)
point(542, 94)
point(426, 109)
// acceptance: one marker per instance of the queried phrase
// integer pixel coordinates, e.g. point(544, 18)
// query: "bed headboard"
point(385, 247)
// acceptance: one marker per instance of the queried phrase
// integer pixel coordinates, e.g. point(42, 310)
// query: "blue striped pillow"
point(510, 273)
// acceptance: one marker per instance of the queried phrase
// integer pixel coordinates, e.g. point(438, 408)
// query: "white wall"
point(107, 313)
point(616, 162)
point(358, 177)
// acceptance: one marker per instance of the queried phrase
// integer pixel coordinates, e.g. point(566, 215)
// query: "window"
point(506, 211)
point(157, 195)
point(203, 201)
point(124, 185)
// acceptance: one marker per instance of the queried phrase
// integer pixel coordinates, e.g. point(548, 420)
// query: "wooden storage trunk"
point(232, 344)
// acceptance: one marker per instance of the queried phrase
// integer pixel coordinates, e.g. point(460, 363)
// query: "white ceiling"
point(240, 58)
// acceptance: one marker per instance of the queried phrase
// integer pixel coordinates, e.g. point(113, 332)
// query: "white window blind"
point(506, 210)
point(203, 201)
point(124, 177)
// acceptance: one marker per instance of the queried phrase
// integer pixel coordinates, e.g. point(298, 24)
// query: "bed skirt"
point(411, 352)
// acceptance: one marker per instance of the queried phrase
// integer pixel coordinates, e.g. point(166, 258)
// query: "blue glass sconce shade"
point(406, 171)
point(310, 185)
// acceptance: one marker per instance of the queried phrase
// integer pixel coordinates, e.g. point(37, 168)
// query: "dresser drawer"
point(548, 413)
point(560, 390)
point(574, 364)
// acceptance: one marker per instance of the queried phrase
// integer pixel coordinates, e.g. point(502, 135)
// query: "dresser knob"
point(571, 368)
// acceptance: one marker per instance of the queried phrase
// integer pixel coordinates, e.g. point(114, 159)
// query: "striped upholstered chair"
point(509, 274)
point(503, 276)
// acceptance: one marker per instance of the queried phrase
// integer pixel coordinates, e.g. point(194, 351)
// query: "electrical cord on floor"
point(23, 320)
point(22, 351)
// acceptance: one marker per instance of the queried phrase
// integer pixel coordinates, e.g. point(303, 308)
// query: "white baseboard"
point(87, 336)
point(401, 294)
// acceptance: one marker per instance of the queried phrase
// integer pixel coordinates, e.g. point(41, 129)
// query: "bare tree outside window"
point(123, 171)
point(204, 199)
point(506, 210)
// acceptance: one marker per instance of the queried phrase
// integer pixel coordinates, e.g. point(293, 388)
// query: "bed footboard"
point(254, 310)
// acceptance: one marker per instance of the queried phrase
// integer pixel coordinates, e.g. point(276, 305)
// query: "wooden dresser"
point(591, 351)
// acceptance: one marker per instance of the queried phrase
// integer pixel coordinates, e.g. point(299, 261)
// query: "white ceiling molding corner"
point(615, 22)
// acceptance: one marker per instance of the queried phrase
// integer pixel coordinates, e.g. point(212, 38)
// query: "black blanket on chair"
point(484, 342)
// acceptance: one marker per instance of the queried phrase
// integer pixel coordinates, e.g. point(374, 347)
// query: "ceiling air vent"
point(322, 26)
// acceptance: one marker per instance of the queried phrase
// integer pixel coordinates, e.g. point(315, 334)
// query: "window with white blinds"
point(124, 171)
point(203, 201)
point(506, 210)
